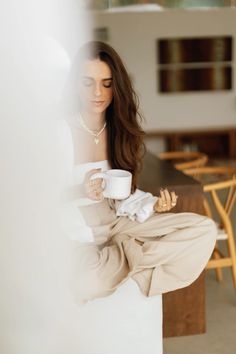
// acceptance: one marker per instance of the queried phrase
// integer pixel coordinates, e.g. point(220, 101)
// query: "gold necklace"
point(92, 132)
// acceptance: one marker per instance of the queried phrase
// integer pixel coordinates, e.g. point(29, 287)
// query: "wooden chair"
point(219, 185)
point(185, 159)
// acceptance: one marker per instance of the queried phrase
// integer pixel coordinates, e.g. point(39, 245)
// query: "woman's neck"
point(93, 121)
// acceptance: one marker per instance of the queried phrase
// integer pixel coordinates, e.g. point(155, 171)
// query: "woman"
point(166, 251)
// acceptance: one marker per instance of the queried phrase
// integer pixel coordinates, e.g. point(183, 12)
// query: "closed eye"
point(107, 83)
point(89, 81)
point(86, 81)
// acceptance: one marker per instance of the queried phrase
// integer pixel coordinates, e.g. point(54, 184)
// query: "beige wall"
point(134, 36)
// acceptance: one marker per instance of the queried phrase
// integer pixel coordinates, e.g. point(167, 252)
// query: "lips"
point(97, 103)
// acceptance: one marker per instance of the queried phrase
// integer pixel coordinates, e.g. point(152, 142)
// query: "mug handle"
point(99, 175)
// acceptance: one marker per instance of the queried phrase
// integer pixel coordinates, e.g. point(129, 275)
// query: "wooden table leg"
point(186, 317)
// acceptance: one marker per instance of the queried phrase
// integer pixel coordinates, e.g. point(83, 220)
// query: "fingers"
point(166, 201)
point(174, 198)
point(96, 194)
point(93, 187)
point(95, 183)
point(166, 198)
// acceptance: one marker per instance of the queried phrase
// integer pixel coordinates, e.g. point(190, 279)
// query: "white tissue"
point(138, 206)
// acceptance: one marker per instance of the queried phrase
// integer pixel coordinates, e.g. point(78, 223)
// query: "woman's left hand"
point(166, 201)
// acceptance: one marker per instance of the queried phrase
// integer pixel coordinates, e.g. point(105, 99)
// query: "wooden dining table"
point(183, 309)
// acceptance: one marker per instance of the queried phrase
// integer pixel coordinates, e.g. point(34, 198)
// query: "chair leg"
point(219, 274)
point(233, 267)
point(232, 254)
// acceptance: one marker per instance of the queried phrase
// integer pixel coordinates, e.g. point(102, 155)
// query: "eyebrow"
point(91, 78)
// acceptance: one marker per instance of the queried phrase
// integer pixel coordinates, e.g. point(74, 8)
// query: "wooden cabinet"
point(215, 142)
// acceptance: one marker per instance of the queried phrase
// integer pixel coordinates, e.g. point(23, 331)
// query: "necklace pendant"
point(96, 134)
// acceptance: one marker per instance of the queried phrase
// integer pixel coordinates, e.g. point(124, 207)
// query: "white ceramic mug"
point(117, 183)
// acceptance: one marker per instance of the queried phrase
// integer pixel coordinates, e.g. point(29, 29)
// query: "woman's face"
point(96, 86)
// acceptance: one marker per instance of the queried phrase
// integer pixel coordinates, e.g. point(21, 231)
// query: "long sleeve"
point(74, 224)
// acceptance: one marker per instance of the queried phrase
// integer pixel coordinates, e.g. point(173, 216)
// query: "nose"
point(97, 90)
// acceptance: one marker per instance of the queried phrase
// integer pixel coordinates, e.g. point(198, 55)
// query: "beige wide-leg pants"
point(166, 252)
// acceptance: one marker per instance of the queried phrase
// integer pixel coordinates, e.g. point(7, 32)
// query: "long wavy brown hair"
point(125, 135)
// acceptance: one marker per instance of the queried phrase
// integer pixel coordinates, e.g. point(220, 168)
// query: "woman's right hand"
point(93, 188)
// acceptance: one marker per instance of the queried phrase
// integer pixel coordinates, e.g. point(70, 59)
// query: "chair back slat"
point(185, 159)
point(223, 215)
point(207, 208)
point(230, 199)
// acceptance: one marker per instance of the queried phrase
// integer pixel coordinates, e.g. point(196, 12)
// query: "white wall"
point(134, 36)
